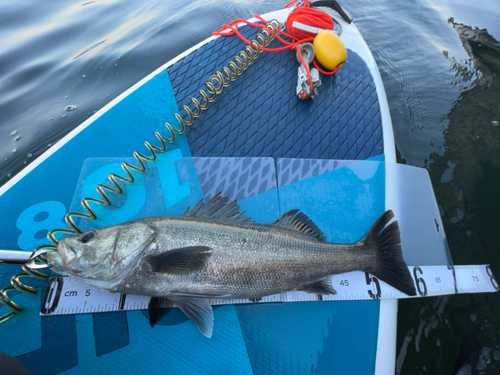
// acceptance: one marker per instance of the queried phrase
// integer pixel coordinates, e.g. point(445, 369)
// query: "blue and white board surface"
point(348, 121)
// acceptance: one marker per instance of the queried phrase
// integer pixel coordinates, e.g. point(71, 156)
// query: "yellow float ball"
point(330, 51)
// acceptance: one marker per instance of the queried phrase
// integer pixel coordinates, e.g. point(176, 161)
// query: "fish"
point(213, 251)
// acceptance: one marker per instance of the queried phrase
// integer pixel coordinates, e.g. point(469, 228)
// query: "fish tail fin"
point(385, 241)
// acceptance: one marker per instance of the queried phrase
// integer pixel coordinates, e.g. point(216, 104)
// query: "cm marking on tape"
point(67, 295)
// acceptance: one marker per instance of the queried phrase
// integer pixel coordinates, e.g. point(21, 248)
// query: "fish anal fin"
point(199, 311)
point(179, 261)
point(323, 286)
point(299, 222)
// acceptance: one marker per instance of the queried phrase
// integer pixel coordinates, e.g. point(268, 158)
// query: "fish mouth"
point(65, 255)
point(53, 258)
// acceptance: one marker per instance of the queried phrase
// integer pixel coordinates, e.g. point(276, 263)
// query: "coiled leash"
point(31, 262)
point(303, 25)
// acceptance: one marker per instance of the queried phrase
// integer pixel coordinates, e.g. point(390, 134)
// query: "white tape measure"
point(67, 295)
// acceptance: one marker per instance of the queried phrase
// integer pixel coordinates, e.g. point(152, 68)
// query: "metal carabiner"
point(300, 4)
point(22, 258)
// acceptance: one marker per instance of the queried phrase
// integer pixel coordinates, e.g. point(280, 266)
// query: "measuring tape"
point(67, 295)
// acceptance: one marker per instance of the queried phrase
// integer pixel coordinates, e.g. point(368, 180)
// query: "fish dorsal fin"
point(179, 261)
point(199, 311)
point(218, 207)
point(299, 222)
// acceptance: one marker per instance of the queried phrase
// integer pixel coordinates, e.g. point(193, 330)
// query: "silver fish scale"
point(247, 260)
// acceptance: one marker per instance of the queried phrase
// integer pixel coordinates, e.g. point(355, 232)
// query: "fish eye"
point(87, 236)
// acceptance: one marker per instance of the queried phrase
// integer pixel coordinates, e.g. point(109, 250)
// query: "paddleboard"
point(333, 157)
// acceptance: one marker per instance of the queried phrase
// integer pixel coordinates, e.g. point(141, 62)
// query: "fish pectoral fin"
point(299, 222)
point(179, 261)
point(199, 311)
point(323, 286)
point(155, 311)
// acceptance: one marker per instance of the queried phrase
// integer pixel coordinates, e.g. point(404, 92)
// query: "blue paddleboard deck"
point(258, 115)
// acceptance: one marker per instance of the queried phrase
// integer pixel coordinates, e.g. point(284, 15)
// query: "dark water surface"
point(61, 61)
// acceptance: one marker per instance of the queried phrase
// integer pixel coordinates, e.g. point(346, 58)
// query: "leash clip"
point(304, 91)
